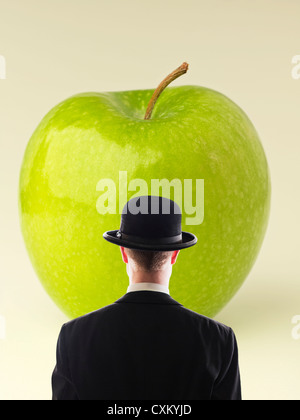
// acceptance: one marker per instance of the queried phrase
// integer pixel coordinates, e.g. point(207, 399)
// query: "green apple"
point(191, 133)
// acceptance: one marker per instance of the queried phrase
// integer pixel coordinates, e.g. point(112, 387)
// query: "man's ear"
point(174, 257)
point(124, 255)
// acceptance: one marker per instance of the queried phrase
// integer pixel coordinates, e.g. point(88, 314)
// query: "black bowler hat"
point(151, 223)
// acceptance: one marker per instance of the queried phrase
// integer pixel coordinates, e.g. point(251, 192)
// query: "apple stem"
point(169, 79)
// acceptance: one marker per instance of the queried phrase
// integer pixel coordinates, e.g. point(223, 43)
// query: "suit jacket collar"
point(145, 296)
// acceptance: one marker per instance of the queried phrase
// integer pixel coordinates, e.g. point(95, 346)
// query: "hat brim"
point(188, 240)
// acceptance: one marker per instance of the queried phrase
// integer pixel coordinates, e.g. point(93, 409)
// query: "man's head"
point(149, 261)
point(151, 223)
point(149, 232)
point(149, 266)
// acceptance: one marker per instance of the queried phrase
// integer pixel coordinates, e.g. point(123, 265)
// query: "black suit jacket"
point(146, 346)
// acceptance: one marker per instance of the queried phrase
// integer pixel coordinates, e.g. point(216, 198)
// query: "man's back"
point(146, 346)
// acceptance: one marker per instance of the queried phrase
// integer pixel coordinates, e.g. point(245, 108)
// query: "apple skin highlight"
point(193, 133)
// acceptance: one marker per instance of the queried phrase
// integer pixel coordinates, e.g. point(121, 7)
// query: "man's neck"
point(152, 287)
point(156, 277)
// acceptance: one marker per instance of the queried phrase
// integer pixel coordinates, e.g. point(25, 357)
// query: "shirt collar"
point(153, 287)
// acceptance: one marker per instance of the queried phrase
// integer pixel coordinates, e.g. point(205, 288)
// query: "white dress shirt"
point(153, 287)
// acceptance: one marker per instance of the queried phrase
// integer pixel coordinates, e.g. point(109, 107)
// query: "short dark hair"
point(148, 260)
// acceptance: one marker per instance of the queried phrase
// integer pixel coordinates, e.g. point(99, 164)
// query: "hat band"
point(150, 241)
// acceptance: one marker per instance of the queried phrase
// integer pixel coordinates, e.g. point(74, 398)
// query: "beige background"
point(243, 48)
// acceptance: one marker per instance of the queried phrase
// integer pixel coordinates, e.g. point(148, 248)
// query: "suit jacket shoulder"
point(148, 298)
point(146, 345)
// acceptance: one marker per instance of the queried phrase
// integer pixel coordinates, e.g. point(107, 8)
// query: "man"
point(147, 346)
